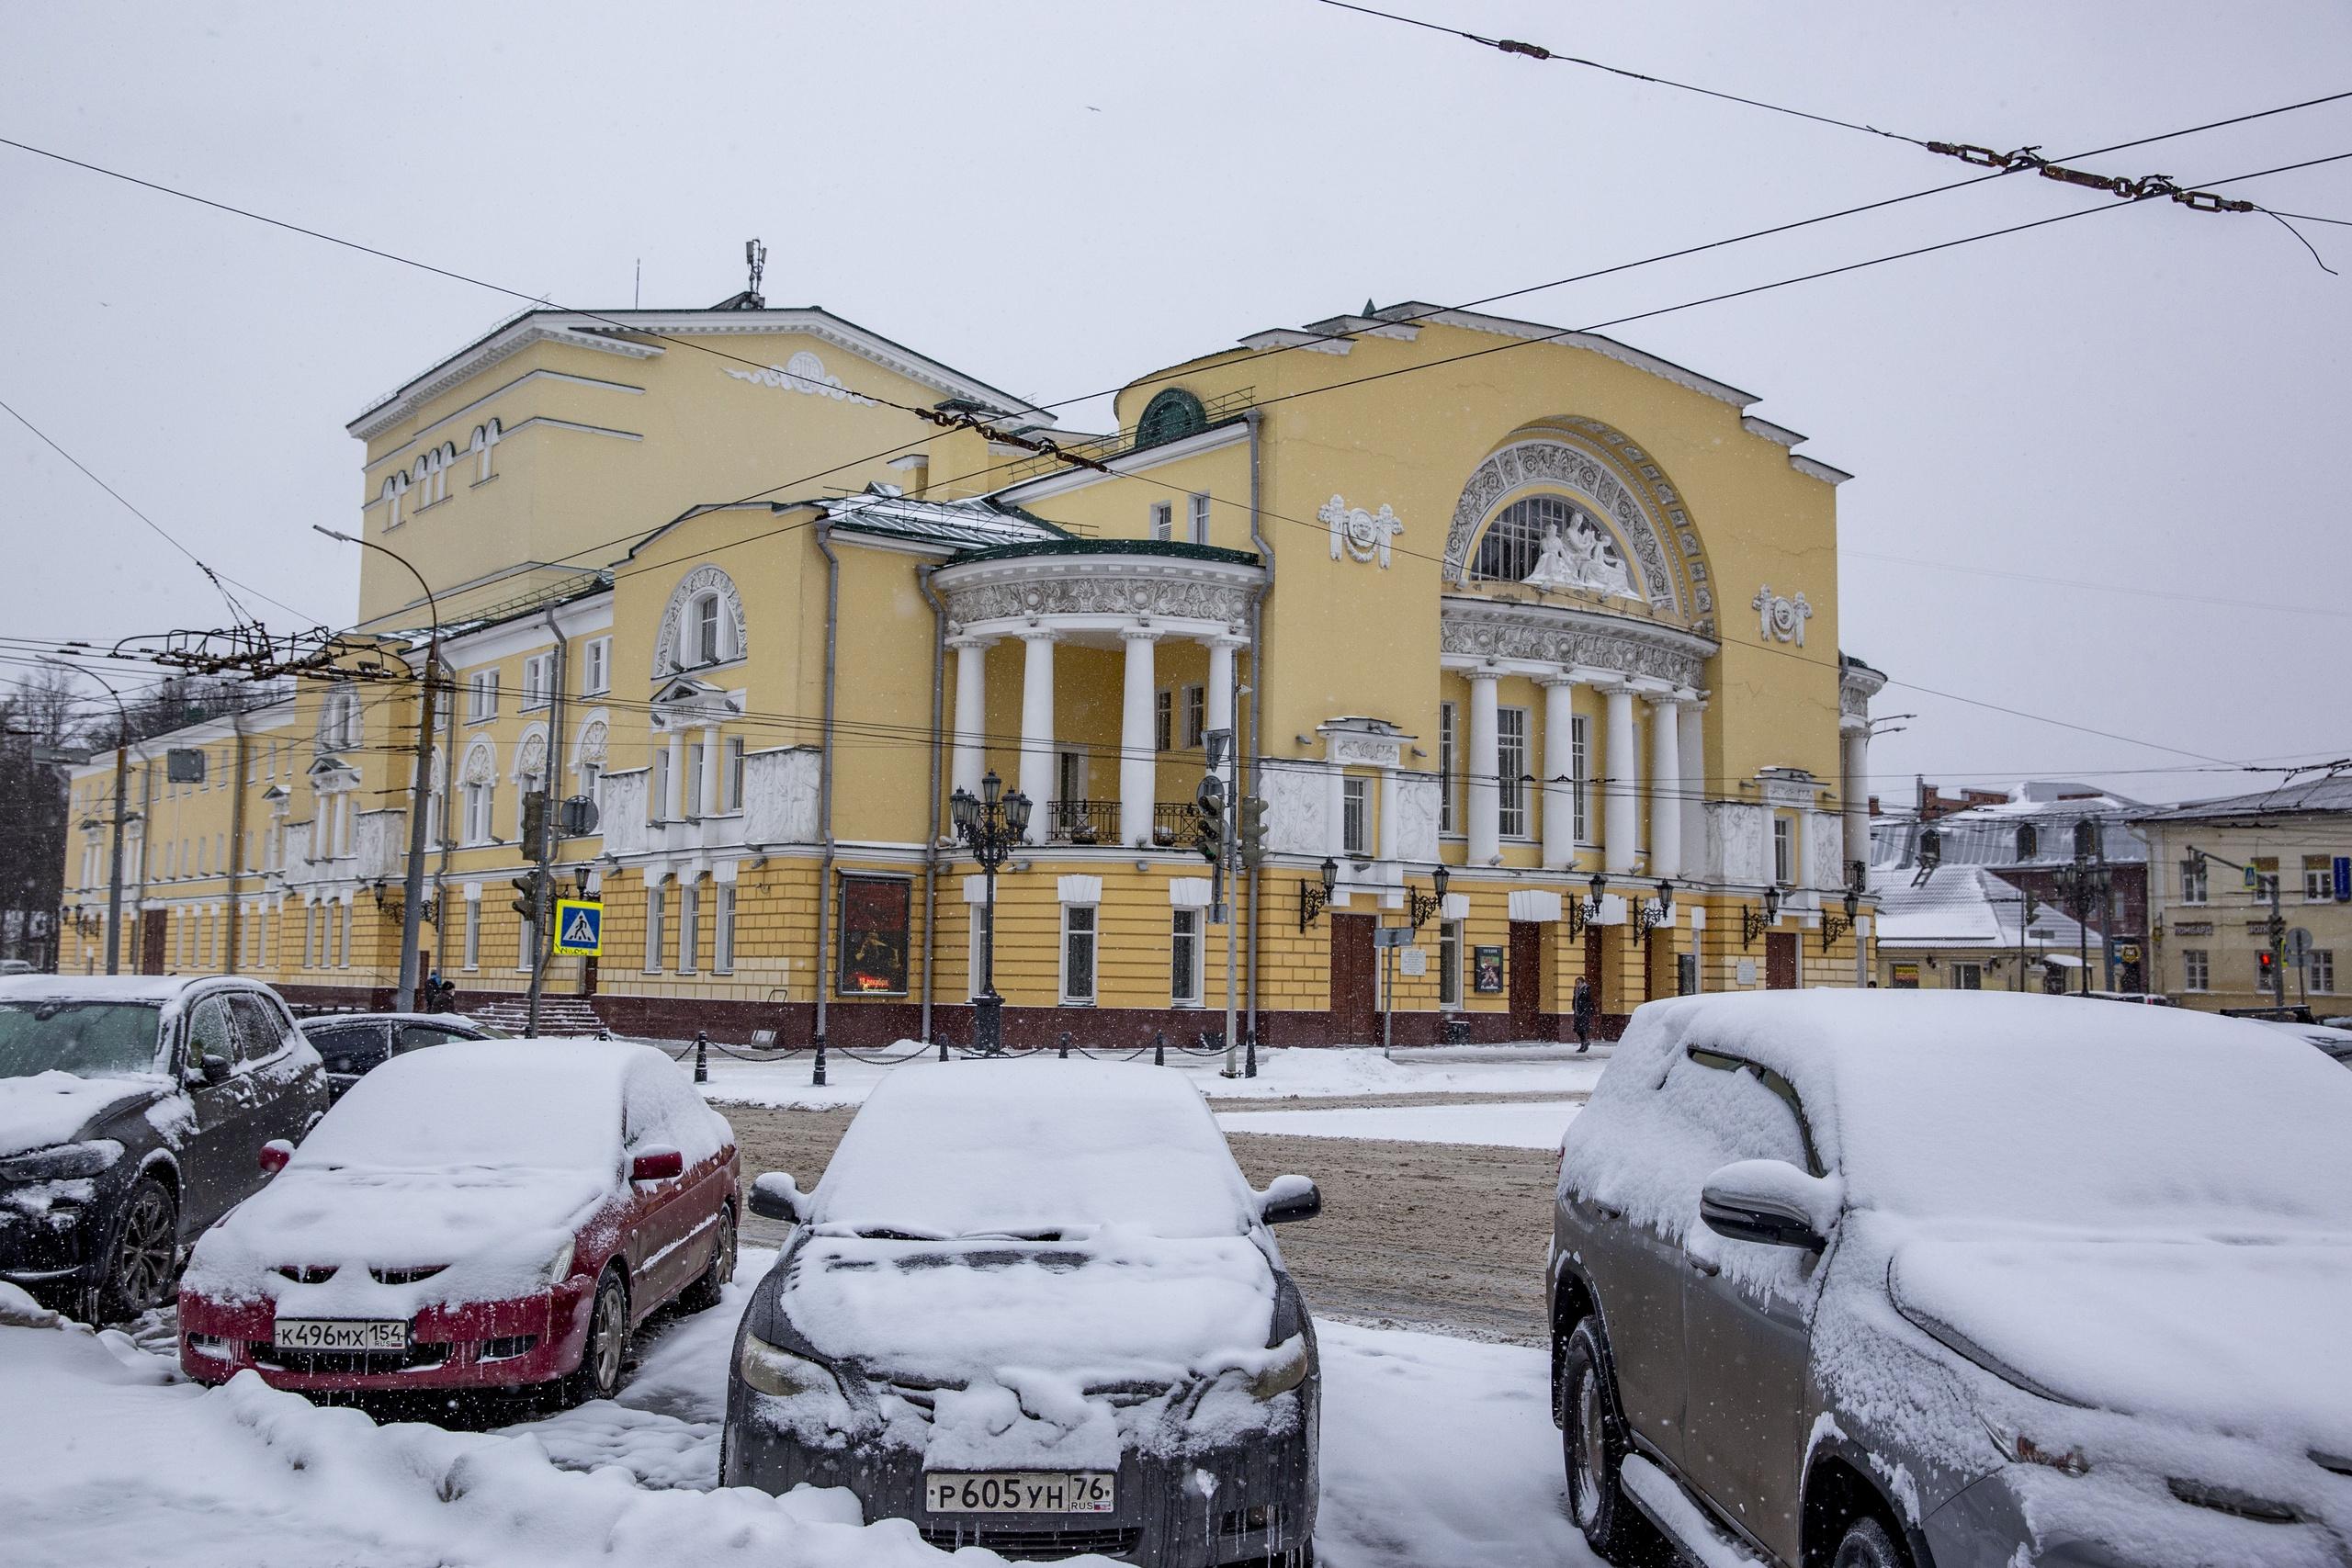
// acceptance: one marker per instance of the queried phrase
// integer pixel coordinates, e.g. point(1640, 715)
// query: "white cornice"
point(503, 345)
point(456, 415)
point(1768, 431)
point(1815, 468)
point(1609, 348)
point(1126, 463)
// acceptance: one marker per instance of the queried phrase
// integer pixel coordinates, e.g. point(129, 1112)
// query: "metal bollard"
point(604, 1031)
point(1159, 1048)
point(817, 1079)
point(1065, 1052)
point(702, 1057)
point(1250, 1052)
point(942, 1047)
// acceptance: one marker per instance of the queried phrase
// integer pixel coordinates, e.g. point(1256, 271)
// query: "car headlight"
point(771, 1368)
point(560, 1265)
point(1285, 1371)
point(63, 1163)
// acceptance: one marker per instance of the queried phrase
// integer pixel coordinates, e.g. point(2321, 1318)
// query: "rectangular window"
point(2196, 971)
point(874, 922)
point(2319, 880)
point(2318, 971)
point(1200, 518)
point(730, 781)
point(1162, 521)
point(1445, 822)
point(481, 696)
point(538, 680)
point(1355, 815)
point(689, 926)
point(722, 929)
point(1196, 715)
point(1449, 963)
point(1184, 959)
point(1784, 851)
point(1078, 954)
point(1968, 976)
point(2265, 875)
point(597, 677)
point(1163, 720)
point(473, 934)
point(2193, 883)
point(653, 928)
point(1511, 730)
point(1579, 749)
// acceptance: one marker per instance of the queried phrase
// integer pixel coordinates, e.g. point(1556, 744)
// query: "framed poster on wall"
point(1487, 970)
point(875, 912)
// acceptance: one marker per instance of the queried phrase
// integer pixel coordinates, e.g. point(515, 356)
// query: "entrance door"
point(1525, 974)
point(1354, 996)
point(151, 942)
point(1781, 960)
point(1659, 976)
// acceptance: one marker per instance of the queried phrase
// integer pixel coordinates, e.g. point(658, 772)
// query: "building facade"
point(1535, 606)
point(2212, 920)
point(1960, 928)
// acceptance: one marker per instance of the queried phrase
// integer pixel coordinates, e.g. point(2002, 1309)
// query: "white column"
point(1389, 827)
point(1038, 730)
point(1854, 789)
point(1559, 763)
point(1139, 749)
point(1619, 781)
point(1335, 805)
point(708, 805)
point(343, 823)
point(1693, 714)
point(1665, 782)
point(971, 754)
point(1220, 695)
point(673, 793)
point(1485, 766)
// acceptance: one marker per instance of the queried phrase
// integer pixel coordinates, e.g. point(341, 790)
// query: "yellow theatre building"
point(1531, 606)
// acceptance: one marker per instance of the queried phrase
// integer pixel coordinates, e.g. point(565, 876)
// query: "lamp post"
point(1423, 905)
point(1654, 915)
point(1312, 899)
point(1753, 925)
point(122, 784)
point(991, 823)
point(412, 894)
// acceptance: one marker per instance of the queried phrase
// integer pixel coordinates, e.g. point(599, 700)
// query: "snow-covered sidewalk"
point(1437, 1453)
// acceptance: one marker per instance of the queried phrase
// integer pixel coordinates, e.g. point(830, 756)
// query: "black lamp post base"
point(988, 1026)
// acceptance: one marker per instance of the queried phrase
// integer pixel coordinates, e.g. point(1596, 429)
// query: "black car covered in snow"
point(132, 1114)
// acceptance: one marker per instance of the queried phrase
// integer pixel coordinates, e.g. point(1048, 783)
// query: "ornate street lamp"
point(1313, 900)
point(1753, 925)
point(1832, 928)
point(991, 824)
point(1582, 912)
point(1421, 906)
point(1654, 915)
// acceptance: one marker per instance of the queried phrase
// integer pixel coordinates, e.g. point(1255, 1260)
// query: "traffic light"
point(1252, 831)
point(2033, 909)
point(525, 902)
point(1208, 807)
point(535, 825)
point(2269, 965)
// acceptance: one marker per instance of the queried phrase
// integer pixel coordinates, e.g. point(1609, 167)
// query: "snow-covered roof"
point(975, 525)
point(2333, 792)
point(1987, 834)
point(160, 990)
point(1964, 907)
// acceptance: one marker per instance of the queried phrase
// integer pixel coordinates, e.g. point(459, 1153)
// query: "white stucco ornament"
point(804, 372)
point(1582, 558)
point(1362, 535)
point(1781, 619)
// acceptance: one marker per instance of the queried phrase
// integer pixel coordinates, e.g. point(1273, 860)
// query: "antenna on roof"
point(755, 256)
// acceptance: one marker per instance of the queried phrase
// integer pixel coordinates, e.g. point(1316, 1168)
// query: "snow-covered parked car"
point(2336, 1042)
point(494, 1213)
point(133, 1109)
point(1034, 1306)
point(1957, 1280)
point(352, 1045)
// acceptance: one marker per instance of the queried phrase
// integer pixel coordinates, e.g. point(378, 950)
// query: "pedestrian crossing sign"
point(580, 928)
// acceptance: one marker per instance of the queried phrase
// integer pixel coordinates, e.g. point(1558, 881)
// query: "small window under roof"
point(1171, 415)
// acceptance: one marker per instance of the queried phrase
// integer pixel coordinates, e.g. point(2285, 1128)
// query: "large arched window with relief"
point(1553, 542)
point(704, 624)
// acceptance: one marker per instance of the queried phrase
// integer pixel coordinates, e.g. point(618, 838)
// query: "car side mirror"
point(212, 1068)
point(275, 1154)
point(775, 1196)
point(657, 1163)
point(1287, 1198)
point(1772, 1203)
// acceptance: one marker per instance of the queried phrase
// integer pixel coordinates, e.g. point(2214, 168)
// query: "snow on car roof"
point(157, 988)
point(979, 1148)
point(496, 1103)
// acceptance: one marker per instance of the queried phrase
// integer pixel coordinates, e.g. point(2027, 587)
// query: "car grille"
point(1035, 1545)
point(308, 1273)
point(406, 1276)
point(418, 1356)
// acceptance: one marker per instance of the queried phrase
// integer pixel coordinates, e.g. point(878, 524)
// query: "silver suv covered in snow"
point(1034, 1306)
point(1911, 1280)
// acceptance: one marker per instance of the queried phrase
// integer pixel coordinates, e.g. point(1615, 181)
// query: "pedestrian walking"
point(1581, 1011)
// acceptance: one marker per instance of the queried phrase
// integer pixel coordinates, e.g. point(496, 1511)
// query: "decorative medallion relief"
point(1547, 635)
point(1294, 801)
point(1738, 842)
point(1780, 619)
point(1417, 816)
point(804, 372)
point(1363, 535)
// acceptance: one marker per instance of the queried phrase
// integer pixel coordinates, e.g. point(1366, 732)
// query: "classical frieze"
point(1050, 587)
point(1548, 633)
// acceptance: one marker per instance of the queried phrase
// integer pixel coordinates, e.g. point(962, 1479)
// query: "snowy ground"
point(1518, 1124)
point(1437, 1452)
point(1315, 1074)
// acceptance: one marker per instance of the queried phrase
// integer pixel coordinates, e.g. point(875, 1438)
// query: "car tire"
point(604, 1353)
point(144, 1259)
point(1592, 1434)
point(1867, 1544)
point(704, 1293)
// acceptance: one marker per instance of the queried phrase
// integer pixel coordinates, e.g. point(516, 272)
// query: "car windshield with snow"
point(131, 1115)
point(478, 1214)
point(1898, 1278)
point(1035, 1307)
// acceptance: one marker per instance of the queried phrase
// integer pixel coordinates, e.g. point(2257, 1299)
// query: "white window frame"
point(1355, 815)
point(657, 778)
point(1968, 976)
point(2196, 884)
point(2319, 971)
point(1581, 776)
point(480, 802)
point(1784, 851)
point(653, 930)
point(1197, 518)
point(2196, 970)
point(2319, 880)
point(1196, 716)
point(1163, 721)
point(485, 440)
point(1514, 815)
point(1163, 520)
point(1447, 819)
point(690, 927)
point(707, 625)
point(538, 680)
point(1449, 963)
point(1081, 922)
point(722, 929)
point(481, 696)
point(473, 935)
point(597, 667)
point(1186, 980)
point(730, 774)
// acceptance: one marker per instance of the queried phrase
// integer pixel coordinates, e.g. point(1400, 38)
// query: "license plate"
point(1020, 1491)
point(342, 1334)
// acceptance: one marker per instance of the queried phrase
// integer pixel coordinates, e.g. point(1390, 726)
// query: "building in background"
point(2212, 931)
point(1963, 928)
point(1563, 620)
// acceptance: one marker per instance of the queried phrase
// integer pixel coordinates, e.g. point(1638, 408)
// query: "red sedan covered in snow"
point(475, 1215)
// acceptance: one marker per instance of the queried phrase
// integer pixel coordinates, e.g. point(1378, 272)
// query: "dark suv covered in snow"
point(133, 1115)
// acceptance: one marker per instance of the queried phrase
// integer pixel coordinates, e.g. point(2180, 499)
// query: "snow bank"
point(46, 1108)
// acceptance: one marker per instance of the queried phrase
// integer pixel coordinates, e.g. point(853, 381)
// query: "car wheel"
point(145, 1256)
point(604, 1352)
point(1593, 1439)
point(704, 1293)
point(1866, 1544)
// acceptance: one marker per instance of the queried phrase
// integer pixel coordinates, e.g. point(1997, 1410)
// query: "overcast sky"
point(1055, 198)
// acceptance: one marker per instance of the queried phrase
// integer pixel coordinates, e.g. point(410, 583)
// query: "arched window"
point(481, 785)
point(339, 723)
point(486, 436)
point(395, 489)
point(1550, 538)
point(706, 626)
point(1171, 415)
point(701, 625)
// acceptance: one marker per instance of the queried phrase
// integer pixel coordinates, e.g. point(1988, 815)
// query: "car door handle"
point(1703, 1265)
